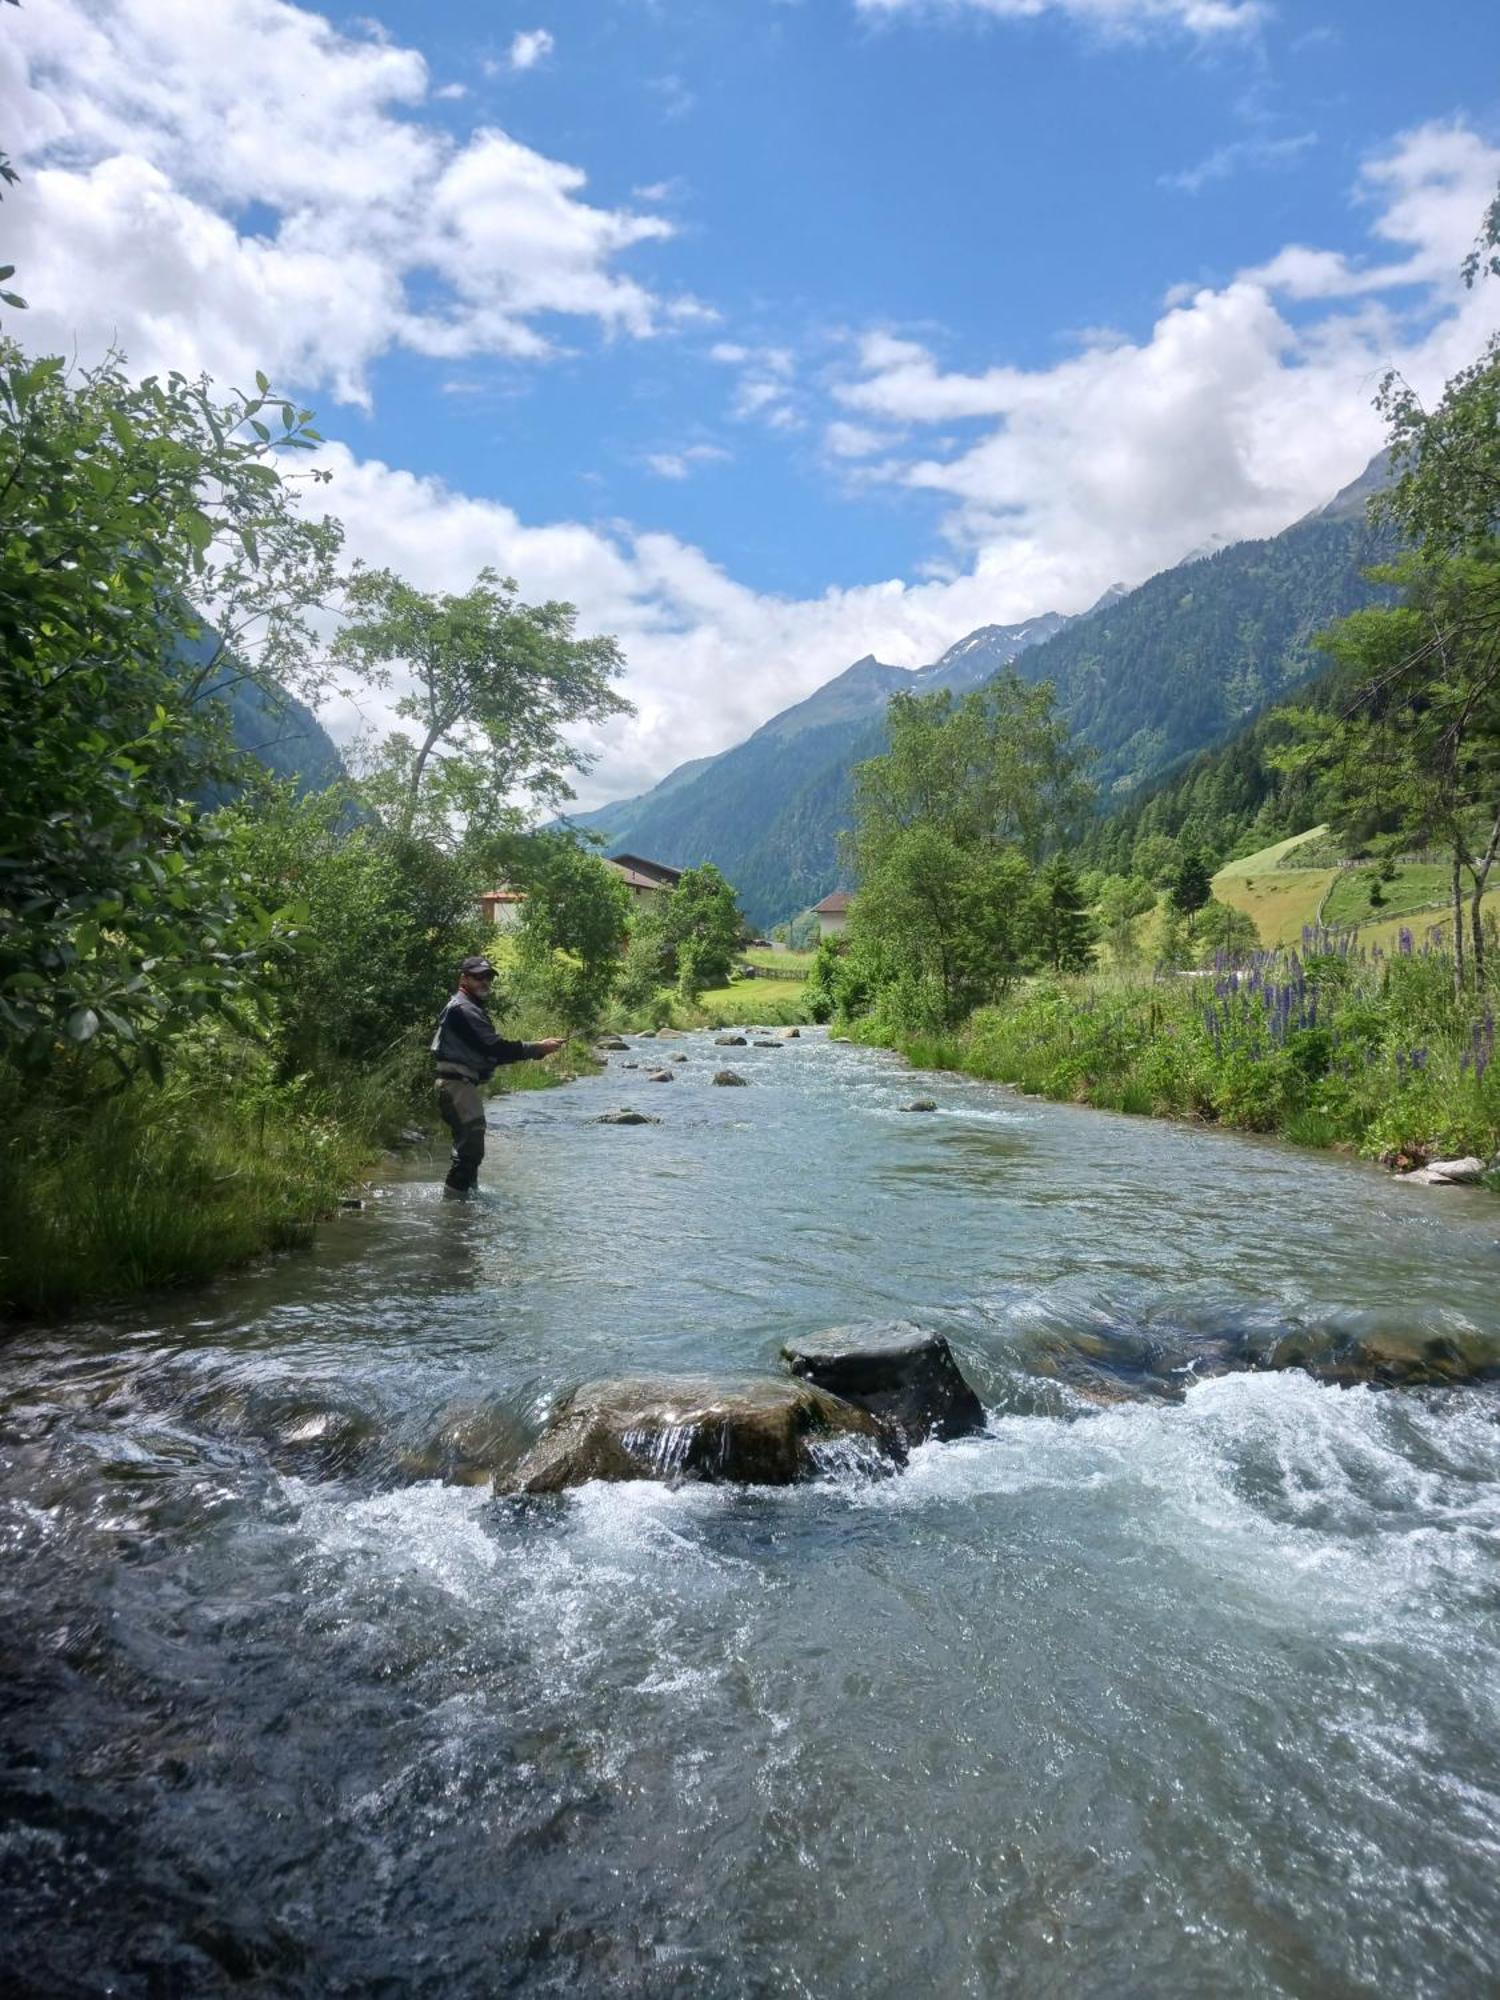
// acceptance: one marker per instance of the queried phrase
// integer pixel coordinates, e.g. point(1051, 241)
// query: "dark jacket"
point(467, 1043)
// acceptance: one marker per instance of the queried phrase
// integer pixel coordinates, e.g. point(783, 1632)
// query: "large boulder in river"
point(625, 1116)
point(730, 1078)
point(729, 1041)
point(751, 1430)
point(900, 1373)
point(1447, 1173)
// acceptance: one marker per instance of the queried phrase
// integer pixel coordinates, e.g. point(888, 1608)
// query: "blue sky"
point(997, 186)
point(774, 331)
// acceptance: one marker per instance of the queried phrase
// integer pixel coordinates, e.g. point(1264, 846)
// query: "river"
point(1189, 1692)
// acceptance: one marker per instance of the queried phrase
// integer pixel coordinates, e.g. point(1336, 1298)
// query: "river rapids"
point(1177, 1681)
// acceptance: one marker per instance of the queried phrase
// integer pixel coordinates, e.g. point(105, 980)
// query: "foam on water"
point(1188, 1693)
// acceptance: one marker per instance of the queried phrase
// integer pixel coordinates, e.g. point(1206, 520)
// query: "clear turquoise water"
point(1163, 1696)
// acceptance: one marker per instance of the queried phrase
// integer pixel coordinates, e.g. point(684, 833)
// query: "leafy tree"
point(1065, 932)
point(380, 925)
point(1124, 898)
point(1224, 932)
point(701, 929)
point(494, 684)
point(938, 930)
point(1445, 497)
point(993, 769)
point(123, 506)
point(1155, 857)
point(573, 928)
point(1415, 753)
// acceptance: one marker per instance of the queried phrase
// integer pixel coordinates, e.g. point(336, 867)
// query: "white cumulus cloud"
point(244, 184)
point(1205, 18)
point(530, 47)
point(1229, 419)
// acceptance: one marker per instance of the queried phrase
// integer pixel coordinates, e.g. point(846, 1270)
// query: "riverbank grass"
point(1354, 1049)
point(151, 1187)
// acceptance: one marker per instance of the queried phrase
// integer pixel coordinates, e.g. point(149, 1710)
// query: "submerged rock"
point(728, 1077)
point(679, 1058)
point(729, 1041)
point(766, 1045)
point(469, 1445)
point(625, 1116)
point(921, 1104)
point(611, 1042)
point(660, 1076)
point(750, 1430)
point(901, 1374)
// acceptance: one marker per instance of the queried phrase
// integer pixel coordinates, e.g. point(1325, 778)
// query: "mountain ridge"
point(1145, 678)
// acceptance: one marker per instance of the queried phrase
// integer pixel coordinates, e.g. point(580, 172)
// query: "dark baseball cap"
point(477, 968)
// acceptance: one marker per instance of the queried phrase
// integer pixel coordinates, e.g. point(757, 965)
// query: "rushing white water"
point(1187, 1690)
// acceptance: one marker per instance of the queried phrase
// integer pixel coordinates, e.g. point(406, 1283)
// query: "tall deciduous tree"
point(492, 685)
point(146, 531)
point(573, 927)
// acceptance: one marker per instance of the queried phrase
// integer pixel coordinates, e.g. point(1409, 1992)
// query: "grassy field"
point(1416, 886)
point(1279, 902)
point(1387, 934)
point(786, 964)
point(1283, 899)
point(776, 1002)
point(1267, 859)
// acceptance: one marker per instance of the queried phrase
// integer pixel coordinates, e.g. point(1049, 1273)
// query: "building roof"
point(836, 905)
point(657, 870)
point(634, 879)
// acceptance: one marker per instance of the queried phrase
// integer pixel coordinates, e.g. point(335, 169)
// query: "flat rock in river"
point(729, 1041)
point(625, 1116)
point(898, 1372)
point(1447, 1173)
point(728, 1077)
point(753, 1430)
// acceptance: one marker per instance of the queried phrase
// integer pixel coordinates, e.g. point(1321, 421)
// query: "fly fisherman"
point(468, 1051)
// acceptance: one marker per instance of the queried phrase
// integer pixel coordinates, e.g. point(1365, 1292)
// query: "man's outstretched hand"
point(551, 1046)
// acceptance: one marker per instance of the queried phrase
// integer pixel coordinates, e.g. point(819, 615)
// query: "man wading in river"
point(468, 1050)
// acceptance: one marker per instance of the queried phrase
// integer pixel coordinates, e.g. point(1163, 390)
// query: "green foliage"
point(1064, 930)
point(1191, 884)
point(121, 918)
point(109, 1192)
point(1351, 1049)
point(992, 769)
point(701, 929)
point(381, 925)
point(573, 929)
point(1223, 934)
point(949, 911)
point(495, 684)
point(1122, 901)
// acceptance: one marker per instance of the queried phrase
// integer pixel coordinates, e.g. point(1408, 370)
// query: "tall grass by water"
point(1330, 1045)
point(109, 1194)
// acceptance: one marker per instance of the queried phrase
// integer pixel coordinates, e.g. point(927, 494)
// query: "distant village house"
point(833, 913)
point(646, 880)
